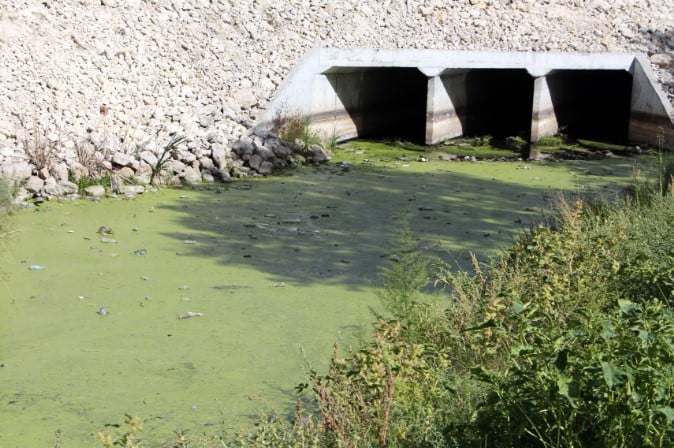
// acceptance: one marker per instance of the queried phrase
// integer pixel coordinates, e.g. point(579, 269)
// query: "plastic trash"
point(189, 315)
point(140, 251)
point(102, 311)
point(37, 267)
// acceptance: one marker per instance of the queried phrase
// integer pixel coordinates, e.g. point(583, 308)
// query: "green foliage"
point(169, 147)
point(404, 280)
point(7, 205)
point(550, 140)
point(86, 181)
point(483, 140)
point(295, 129)
point(516, 143)
point(388, 393)
point(583, 336)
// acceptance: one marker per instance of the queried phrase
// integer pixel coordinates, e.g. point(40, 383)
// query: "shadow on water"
point(320, 225)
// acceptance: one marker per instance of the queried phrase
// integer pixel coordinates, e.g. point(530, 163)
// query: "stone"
point(132, 189)
point(191, 176)
point(121, 159)
point(318, 154)
point(265, 167)
point(211, 85)
point(95, 191)
point(19, 170)
point(206, 164)
point(264, 152)
point(34, 184)
point(662, 59)
point(59, 171)
point(149, 157)
point(255, 161)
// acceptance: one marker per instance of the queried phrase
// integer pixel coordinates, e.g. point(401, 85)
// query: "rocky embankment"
point(101, 87)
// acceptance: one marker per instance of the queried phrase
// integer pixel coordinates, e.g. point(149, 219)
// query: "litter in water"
point(189, 314)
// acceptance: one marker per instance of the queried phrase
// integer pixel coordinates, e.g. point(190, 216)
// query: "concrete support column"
point(650, 112)
point(442, 121)
point(543, 118)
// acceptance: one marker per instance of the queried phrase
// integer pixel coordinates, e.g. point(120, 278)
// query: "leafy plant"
point(483, 140)
point(516, 143)
point(295, 129)
point(169, 147)
point(550, 140)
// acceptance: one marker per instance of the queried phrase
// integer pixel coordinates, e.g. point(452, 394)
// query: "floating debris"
point(102, 311)
point(291, 221)
point(184, 287)
point(103, 230)
point(144, 277)
point(37, 267)
point(140, 251)
point(108, 240)
point(189, 242)
point(279, 285)
point(425, 209)
point(344, 166)
point(189, 315)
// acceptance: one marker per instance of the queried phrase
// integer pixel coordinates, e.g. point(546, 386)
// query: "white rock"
point(95, 191)
point(34, 184)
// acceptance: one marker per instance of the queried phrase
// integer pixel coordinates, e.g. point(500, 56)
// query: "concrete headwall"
point(432, 95)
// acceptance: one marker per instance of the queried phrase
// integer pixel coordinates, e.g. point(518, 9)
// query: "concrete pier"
point(432, 95)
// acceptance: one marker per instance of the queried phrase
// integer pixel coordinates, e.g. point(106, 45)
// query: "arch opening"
point(382, 103)
point(592, 104)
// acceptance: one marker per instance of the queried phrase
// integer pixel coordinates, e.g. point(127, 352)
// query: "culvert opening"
point(592, 104)
point(496, 102)
point(383, 103)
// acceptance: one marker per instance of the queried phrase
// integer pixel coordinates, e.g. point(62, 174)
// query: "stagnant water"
point(280, 269)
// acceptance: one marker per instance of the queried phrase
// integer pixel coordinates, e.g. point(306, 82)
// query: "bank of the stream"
point(280, 268)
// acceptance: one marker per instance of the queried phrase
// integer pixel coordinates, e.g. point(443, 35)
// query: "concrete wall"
point(433, 95)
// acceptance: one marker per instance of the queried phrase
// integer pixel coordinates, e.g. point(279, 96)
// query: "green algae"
point(279, 267)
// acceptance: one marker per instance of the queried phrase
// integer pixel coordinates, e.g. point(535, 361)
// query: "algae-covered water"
point(281, 268)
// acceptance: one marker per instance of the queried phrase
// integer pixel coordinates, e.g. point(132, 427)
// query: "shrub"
point(550, 140)
point(295, 129)
point(483, 140)
point(583, 337)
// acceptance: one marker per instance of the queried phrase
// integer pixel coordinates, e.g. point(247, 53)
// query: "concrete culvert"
point(432, 95)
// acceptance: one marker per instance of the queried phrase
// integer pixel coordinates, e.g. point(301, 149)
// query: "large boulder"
point(318, 154)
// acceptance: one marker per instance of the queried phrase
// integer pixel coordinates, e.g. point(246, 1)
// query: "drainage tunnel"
point(429, 96)
point(493, 102)
point(592, 104)
point(386, 102)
